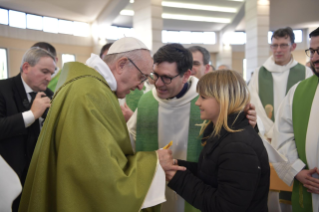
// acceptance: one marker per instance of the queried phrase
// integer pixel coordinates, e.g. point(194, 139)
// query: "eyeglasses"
point(144, 76)
point(165, 79)
point(282, 46)
point(311, 52)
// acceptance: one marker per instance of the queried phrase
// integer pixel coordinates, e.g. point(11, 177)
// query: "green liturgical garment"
point(266, 87)
point(147, 132)
point(83, 160)
point(301, 107)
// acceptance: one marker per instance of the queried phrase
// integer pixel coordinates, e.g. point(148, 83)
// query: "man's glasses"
point(144, 76)
point(311, 52)
point(282, 46)
point(165, 79)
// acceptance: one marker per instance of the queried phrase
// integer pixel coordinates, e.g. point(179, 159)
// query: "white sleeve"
point(254, 93)
point(28, 118)
point(131, 126)
point(284, 139)
point(10, 186)
point(156, 192)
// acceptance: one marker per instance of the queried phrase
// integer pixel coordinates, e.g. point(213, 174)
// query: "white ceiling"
point(294, 13)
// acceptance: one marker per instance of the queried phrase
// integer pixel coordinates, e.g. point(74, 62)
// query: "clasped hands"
point(168, 163)
point(311, 183)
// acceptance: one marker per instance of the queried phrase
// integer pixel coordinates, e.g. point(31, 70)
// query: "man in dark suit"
point(23, 100)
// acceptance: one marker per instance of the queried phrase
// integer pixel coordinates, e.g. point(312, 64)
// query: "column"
point(148, 22)
point(257, 27)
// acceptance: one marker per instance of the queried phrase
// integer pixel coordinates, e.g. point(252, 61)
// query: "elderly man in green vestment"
point(84, 160)
point(296, 136)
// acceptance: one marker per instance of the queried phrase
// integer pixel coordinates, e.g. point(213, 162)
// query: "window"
point(3, 64)
point(34, 22)
point(298, 36)
point(17, 19)
point(50, 25)
point(81, 29)
point(186, 37)
point(115, 33)
point(66, 27)
point(67, 58)
point(238, 38)
point(4, 16)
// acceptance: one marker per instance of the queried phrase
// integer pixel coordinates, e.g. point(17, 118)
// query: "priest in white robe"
point(296, 136)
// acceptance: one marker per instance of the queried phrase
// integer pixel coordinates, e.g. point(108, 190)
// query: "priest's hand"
point(311, 183)
point(127, 112)
point(251, 114)
point(40, 104)
point(167, 162)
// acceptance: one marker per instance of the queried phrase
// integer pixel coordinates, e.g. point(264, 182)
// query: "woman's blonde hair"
point(230, 91)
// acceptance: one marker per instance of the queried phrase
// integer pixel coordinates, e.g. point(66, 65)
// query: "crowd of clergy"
point(131, 130)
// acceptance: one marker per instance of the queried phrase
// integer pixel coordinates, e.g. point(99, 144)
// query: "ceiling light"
point(127, 12)
point(195, 18)
point(183, 17)
point(198, 7)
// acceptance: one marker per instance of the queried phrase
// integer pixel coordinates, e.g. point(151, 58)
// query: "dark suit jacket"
point(16, 142)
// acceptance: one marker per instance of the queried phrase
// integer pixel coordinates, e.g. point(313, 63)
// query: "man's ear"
point(25, 67)
point(293, 46)
point(207, 66)
point(186, 75)
point(119, 65)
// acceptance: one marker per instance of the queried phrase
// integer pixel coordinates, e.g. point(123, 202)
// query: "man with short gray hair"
point(23, 100)
point(201, 58)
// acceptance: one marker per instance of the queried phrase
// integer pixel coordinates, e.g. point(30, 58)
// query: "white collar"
point(26, 86)
point(100, 66)
point(271, 66)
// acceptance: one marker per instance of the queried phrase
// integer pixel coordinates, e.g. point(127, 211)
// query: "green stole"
point(147, 131)
point(133, 97)
point(266, 87)
point(301, 108)
point(54, 81)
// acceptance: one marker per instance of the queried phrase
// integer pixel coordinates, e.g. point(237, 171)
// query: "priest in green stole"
point(84, 160)
point(296, 136)
point(270, 84)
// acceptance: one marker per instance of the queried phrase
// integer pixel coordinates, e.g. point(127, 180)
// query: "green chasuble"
point(147, 131)
point(54, 81)
point(301, 108)
point(83, 160)
point(266, 88)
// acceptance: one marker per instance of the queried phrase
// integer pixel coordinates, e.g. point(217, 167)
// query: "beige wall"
point(17, 47)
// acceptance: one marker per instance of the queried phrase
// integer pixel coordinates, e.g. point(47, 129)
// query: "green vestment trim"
point(147, 131)
point(83, 160)
point(54, 81)
point(266, 87)
point(301, 108)
point(133, 97)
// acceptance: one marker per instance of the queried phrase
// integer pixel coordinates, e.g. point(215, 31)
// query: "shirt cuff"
point(294, 169)
point(156, 192)
point(28, 118)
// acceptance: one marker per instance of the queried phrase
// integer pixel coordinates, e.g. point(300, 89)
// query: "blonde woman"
point(233, 170)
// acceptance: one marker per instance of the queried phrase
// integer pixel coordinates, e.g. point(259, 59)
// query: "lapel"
point(19, 94)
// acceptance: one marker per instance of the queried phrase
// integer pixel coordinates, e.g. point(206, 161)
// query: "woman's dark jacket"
point(232, 173)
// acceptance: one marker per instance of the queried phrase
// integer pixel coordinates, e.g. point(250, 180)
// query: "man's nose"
point(159, 82)
point(140, 86)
